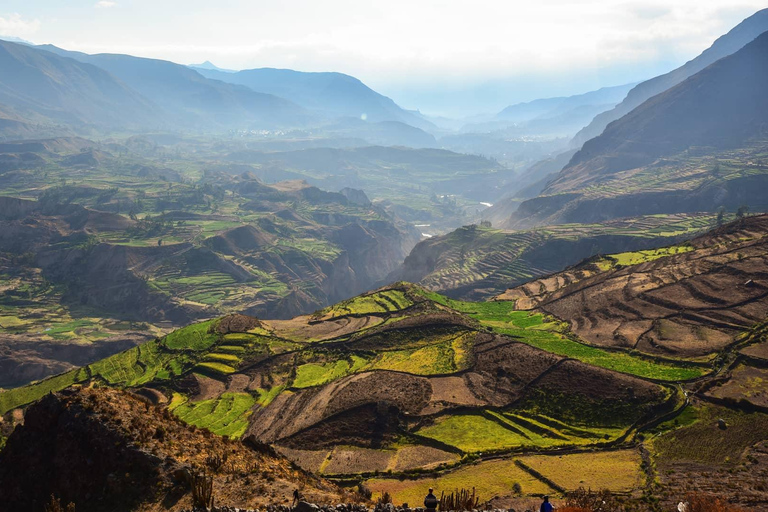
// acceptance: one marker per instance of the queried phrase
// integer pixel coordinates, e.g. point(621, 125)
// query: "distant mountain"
point(334, 94)
point(210, 66)
point(698, 146)
point(192, 100)
point(553, 107)
point(561, 116)
point(737, 38)
point(39, 87)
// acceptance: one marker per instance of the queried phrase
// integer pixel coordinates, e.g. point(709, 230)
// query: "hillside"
point(38, 87)
point(105, 449)
point(560, 116)
point(445, 393)
point(333, 94)
point(621, 360)
point(691, 300)
point(190, 99)
point(741, 35)
point(478, 262)
point(433, 188)
point(101, 248)
point(696, 147)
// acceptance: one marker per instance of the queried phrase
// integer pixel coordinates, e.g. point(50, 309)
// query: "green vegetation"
point(490, 478)
point(493, 431)
point(387, 301)
point(633, 258)
point(193, 337)
point(617, 470)
point(703, 441)
point(225, 416)
point(18, 397)
point(535, 330)
point(313, 374)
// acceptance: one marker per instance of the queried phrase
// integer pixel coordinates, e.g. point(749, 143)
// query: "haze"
point(444, 58)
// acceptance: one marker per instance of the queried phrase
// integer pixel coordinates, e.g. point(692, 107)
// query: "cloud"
point(104, 4)
point(15, 25)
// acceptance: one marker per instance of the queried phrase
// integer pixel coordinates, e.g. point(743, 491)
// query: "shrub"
point(460, 500)
point(697, 502)
point(592, 501)
point(55, 506)
point(364, 491)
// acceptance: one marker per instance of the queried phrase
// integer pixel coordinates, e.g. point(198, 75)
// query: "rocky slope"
point(105, 449)
point(695, 147)
point(741, 35)
point(692, 303)
point(478, 262)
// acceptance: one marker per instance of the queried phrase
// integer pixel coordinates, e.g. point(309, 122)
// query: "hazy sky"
point(449, 56)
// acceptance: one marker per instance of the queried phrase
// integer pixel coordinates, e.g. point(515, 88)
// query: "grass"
point(18, 397)
point(224, 416)
point(617, 470)
point(387, 301)
point(633, 258)
point(315, 374)
point(493, 431)
point(448, 356)
point(490, 479)
point(703, 441)
point(534, 330)
point(194, 337)
point(472, 433)
point(215, 367)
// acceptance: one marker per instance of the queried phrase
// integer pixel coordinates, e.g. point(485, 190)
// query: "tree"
point(720, 216)
point(742, 211)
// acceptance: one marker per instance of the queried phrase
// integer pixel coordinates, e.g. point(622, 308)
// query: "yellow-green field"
point(614, 470)
point(490, 479)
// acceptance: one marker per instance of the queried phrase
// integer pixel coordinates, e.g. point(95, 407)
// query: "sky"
point(446, 57)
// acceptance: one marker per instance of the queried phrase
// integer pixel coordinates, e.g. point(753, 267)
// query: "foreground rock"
point(105, 449)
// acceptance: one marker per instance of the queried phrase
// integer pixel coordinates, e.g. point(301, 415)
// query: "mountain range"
point(696, 147)
point(734, 40)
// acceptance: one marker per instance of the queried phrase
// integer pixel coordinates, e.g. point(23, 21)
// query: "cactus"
point(459, 501)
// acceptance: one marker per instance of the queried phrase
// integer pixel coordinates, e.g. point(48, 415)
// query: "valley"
point(402, 387)
point(263, 289)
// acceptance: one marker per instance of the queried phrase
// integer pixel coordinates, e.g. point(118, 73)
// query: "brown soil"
point(105, 449)
point(291, 413)
point(237, 323)
point(759, 351)
point(357, 460)
point(745, 383)
point(308, 460)
point(300, 328)
point(742, 484)
point(412, 457)
point(690, 304)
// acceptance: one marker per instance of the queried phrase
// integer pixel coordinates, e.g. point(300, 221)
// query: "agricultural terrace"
point(489, 431)
point(196, 347)
point(383, 302)
point(547, 334)
point(619, 471)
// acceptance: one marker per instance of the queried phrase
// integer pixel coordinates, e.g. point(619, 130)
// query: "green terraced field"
point(193, 337)
point(18, 397)
point(313, 374)
point(376, 303)
point(493, 431)
point(633, 258)
point(225, 416)
point(442, 357)
point(534, 330)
